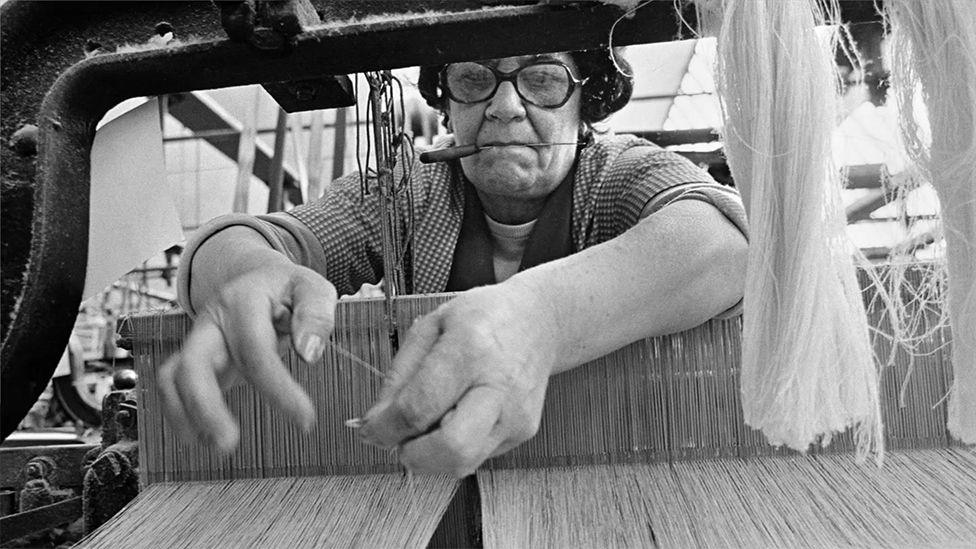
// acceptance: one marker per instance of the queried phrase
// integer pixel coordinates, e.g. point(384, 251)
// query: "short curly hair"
point(608, 88)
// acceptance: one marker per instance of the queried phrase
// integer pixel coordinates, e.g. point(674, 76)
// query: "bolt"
point(163, 27)
point(303, 92)
point(93, 48)
point(24, 140)
point(124, 379)
point(34, 470)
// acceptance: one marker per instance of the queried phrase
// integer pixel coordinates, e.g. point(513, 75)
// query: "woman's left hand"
point(468, 382)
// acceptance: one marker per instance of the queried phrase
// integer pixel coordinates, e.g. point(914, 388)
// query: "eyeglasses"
point(547, 84)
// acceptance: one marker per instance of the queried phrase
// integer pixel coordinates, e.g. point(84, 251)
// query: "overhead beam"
point(198, 112)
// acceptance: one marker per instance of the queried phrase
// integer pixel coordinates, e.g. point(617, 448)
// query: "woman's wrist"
point(540, 316)
point(226, 255)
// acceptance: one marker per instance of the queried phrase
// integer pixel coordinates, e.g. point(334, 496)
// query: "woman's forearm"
point(672, 271)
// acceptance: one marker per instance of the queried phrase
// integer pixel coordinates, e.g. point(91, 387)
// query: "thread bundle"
point(935, 49)
point(807, 368)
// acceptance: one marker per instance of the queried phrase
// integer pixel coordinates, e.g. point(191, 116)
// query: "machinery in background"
point(50, 495)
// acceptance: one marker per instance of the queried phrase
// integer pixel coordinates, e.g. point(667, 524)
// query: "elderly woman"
point(563, 254)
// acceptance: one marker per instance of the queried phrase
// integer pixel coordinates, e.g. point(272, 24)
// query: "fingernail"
point(311, 347)
point(355, 423)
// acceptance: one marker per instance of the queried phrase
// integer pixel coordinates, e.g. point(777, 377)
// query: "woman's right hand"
point(240, 334)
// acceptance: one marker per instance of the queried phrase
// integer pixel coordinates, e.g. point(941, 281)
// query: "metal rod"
point(379, 84)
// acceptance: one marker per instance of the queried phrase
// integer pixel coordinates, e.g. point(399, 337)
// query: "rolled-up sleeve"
point(726, 199)
point(656, 178)
point(282, 231)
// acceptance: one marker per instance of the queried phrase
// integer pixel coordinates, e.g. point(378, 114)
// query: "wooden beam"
point(861, 208)
point(339, 144)
point(316, 130)
point(276, 201)
point(245, 156)
point(300, 154)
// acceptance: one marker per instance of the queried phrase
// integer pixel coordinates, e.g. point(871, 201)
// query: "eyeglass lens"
point(545, 84)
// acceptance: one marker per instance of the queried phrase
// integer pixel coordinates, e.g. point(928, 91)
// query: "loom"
point(645, 446)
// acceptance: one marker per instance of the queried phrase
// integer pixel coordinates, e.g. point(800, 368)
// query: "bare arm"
point(672, 271)
point(470, 379)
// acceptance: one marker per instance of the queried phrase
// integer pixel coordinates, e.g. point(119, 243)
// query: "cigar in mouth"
point(460, 151)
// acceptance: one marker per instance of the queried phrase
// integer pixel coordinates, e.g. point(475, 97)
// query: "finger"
point(419, 402)
point(463, 441)
point(417, 344)
point(198, 388)
point(252, 343)
point(313, 302)
point(172, 403)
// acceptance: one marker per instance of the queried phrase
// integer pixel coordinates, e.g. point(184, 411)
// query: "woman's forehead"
point(508, 63)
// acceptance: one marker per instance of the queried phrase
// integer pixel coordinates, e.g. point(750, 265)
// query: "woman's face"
point(514, 180)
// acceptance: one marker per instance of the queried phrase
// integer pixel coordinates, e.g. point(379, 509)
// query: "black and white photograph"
point(488, 273)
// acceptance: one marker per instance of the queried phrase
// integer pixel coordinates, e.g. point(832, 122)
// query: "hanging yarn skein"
point(807, 366)
point(935, 47)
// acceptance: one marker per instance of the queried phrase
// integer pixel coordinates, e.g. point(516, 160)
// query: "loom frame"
point(48, 252)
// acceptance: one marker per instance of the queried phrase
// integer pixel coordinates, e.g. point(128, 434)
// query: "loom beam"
point(45, 196)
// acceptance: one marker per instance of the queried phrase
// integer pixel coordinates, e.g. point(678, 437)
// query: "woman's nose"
point(506, 104)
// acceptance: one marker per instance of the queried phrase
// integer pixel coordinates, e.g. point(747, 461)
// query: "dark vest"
point(551, 238)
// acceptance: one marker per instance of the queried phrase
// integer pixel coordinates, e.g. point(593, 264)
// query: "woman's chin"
point(509, 161)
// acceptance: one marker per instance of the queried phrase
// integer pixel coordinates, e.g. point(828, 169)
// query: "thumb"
point(313, 301)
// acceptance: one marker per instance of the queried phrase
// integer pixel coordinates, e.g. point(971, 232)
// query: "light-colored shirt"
point(508, 244)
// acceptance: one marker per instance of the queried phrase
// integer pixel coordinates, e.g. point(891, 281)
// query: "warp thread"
point(340, 511)
point(920, 498)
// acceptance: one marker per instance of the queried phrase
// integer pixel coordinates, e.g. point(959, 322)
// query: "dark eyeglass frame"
point(512, 76)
